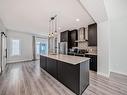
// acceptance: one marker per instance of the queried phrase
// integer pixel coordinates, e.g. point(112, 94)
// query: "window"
point(41, 48)
point(38, 48)
point(15, 47)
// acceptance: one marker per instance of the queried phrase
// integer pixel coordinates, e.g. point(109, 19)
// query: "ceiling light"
point(59, 28)
point(77, 20)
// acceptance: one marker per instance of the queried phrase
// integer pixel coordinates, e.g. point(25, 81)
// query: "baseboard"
point(18, 61)
point(103, 74)
point(117, 72)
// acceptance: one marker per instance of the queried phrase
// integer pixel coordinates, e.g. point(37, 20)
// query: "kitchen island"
point(72, 71)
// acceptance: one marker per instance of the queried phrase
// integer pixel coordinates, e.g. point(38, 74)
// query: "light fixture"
point(59, 28)
point(52, 34)
point(49, 35)
point(77, 20)
point(53, 26)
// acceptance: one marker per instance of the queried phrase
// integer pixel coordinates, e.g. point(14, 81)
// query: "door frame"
point(3, 34)
point(41, 40)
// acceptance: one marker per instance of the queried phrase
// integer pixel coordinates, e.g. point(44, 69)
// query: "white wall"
point(103, 48)
point(112, 38)
point(119, 46)
point(117, 11)
point(26, 46)
point(2, 27)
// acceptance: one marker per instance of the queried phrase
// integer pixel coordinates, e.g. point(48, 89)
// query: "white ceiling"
point(33, 15)
point(96, 9)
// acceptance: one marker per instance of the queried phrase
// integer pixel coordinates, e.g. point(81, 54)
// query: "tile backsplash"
point(84, 45)
point(92, 49)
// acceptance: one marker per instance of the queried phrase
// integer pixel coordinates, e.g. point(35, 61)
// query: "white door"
point(4, 51)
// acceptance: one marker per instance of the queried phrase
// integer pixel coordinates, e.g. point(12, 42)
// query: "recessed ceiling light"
point(59, 28)
point(77, 20)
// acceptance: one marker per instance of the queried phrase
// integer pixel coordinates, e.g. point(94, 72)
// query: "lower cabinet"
point(52, 67)
point(69, 75)
point(93, 62)
point(43, 62)
point(75, 77)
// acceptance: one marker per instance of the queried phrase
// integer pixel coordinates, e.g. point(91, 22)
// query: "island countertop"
point(74, 60)
point(72, 71)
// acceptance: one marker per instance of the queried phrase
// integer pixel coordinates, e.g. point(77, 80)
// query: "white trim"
point(118, 72)
point(103, 74)
point(18, 61)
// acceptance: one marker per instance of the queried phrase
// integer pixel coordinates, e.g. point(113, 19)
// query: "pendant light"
point(53, 26)
point(49, 35)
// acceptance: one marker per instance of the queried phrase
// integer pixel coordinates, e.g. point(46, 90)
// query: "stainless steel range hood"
point(81, 35)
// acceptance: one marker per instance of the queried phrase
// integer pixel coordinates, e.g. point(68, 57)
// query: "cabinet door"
point(52, 67)
point(92, 35)
point(43, 62)
point(61, 37)
point(60, 75)
point(93, 62)
point(69, 75)
point(73, 38)
point(64, 36)
point(74, 35)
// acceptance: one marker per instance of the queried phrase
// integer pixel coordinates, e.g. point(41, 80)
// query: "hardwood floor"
point(28, 78)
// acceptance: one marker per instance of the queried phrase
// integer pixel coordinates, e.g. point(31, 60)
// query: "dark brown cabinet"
point(52, 67)
point(43, 62)
point(92, 35)
point(70, 37)
point(73, 36)
point(93, 62)
point(64, 36)
point(75, 77)
point(69, 75)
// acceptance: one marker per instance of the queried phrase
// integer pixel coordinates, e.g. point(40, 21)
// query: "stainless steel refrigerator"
point(63, 48)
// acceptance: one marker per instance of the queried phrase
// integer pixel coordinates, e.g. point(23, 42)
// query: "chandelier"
point(53, 27)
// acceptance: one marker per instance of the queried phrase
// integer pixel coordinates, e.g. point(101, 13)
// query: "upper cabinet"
point(73, 37)
point(92, 35)
point(64, 36)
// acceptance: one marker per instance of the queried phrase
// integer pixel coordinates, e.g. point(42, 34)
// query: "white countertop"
point(91, 53)
point(68, 58)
